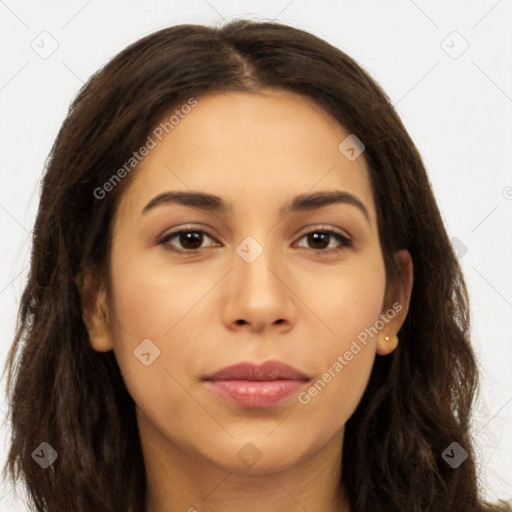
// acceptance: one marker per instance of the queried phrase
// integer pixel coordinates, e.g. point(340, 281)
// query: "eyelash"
point(345, 242)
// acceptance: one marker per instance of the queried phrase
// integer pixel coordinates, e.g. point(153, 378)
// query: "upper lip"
point(269, 370)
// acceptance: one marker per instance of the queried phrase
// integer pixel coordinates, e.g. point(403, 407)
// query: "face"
point(197, 288)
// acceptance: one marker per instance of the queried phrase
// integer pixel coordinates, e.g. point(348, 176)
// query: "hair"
point(418, 399)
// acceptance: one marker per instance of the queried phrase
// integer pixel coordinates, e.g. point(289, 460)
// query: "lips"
point(270, 370)
point(256, 385)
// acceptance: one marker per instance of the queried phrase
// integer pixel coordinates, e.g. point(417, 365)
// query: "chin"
point(259, 455)
point(267, 464)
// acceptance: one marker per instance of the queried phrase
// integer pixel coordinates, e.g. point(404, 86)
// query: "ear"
point(396, 304)
point(95, 311)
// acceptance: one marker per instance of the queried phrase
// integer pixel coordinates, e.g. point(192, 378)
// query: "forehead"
point(245, 146)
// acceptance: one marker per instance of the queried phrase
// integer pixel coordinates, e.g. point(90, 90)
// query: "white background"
point(457, 110)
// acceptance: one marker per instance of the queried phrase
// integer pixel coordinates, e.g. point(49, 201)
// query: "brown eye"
point(320, 240)
point(189, 240)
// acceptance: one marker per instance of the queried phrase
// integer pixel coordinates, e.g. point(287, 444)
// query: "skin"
point(255, 151)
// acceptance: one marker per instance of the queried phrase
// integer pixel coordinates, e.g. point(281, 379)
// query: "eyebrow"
point(301, 202)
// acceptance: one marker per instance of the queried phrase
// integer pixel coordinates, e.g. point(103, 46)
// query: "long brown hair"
point(418, 400)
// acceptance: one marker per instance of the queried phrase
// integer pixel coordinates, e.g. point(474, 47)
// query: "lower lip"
point(253, 393)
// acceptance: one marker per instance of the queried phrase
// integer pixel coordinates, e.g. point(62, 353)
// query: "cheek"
point(349, 301)
point(346, 352)
point(149, 300)
point(157, 318)
point(331, 398)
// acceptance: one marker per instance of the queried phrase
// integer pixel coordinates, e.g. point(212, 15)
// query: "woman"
point(242, 294)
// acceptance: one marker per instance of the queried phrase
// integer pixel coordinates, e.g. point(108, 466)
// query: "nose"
point(258, 295)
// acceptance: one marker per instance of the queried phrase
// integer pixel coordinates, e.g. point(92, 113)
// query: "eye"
point(189, 239)
point(321, 240)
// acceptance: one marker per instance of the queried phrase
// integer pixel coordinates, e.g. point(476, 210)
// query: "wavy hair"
point(418, 400)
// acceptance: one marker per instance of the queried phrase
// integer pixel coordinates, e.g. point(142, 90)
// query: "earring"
point(386, 344)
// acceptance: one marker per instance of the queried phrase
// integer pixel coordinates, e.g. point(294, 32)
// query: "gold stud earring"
point(386, 344)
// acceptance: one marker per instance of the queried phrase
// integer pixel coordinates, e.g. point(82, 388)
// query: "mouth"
point(256, 385)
